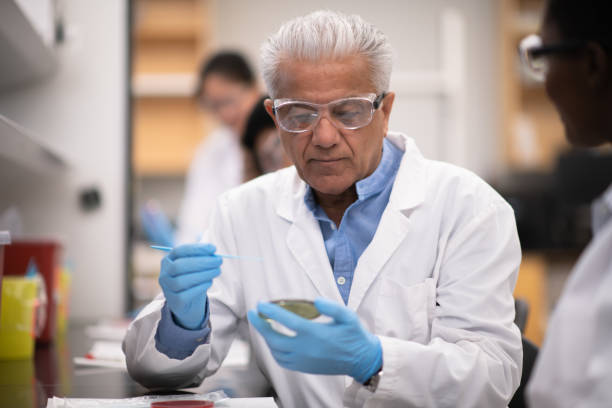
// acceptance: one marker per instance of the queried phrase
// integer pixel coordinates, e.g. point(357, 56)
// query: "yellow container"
point(17, 318)
point(63, 301)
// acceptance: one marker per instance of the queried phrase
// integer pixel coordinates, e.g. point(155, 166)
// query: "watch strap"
point(372, 383)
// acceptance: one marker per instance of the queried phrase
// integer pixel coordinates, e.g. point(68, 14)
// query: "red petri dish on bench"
point(183, 404)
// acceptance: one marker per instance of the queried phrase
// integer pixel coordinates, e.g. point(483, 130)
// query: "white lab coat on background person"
point(435, 285)
point(574, 366)
point(216, 167)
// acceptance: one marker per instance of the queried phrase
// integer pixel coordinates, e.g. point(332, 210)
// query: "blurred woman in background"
point(228, 89)
point(261, 139)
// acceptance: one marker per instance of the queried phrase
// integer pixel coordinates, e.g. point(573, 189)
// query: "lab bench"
point(51, 372)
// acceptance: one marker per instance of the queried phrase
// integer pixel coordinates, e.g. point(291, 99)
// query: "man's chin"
point(329, 185)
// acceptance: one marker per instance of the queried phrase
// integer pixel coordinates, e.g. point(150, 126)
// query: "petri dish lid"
point(183, 404)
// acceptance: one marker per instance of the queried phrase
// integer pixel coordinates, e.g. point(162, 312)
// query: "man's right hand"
point(186, 274)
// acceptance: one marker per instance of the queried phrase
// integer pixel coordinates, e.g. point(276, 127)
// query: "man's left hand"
point(339, 347)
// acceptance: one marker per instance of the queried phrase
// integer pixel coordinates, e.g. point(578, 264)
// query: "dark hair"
point(229, 64)
point(258, 121)
point(582, 20)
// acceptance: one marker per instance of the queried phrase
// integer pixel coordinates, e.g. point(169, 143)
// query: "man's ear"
point(387, 105)
point(598, 67)
point(269, 105)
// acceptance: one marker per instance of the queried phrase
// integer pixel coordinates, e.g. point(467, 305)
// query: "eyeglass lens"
point(537, 64)
point(348, 113)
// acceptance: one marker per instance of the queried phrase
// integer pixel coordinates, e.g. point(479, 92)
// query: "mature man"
point(412, 262)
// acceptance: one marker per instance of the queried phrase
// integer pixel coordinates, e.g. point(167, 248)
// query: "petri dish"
point(183, 404)
point(301, 307)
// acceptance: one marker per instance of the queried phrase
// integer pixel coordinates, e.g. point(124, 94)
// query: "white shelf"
point(179, 85)
point(19, 147)
point(24, 55)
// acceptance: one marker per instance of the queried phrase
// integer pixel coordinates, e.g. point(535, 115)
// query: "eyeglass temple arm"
point(378, 100)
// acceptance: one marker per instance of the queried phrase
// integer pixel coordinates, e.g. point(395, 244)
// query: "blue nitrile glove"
point(340, 347)
point(186, 274)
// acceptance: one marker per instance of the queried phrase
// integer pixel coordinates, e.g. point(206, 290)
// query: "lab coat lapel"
point(392, 229)
point(305, 241)
point(408, 192)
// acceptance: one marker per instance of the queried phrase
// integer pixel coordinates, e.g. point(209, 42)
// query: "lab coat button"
point(341, 280)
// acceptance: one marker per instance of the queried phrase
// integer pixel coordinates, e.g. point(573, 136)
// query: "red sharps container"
point(45, 252)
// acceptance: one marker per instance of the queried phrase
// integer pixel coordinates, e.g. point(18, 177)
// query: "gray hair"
point(327, 34)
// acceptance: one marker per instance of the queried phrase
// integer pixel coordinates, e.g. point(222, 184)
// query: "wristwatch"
point(372, 383)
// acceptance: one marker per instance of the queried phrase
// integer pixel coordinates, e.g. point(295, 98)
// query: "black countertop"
point(51, 372)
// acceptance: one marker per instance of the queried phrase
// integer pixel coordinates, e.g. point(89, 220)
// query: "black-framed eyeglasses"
point(347, 113)
point(533, 53)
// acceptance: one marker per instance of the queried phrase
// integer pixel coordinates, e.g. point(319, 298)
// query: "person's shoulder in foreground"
point(573, 57)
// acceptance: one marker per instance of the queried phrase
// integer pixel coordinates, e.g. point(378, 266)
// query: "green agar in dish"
point(303, 308)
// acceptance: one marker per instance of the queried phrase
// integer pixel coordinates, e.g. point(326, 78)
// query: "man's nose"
point(325, 134)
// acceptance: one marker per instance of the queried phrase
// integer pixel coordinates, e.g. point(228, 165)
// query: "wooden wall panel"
point(166, 134)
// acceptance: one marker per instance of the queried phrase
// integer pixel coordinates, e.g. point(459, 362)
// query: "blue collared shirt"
point(346, 243)
point(176, 342)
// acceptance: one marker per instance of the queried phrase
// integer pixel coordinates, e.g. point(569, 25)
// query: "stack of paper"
point(103, 354)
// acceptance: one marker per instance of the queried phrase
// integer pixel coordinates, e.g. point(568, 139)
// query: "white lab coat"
point(216, 167)
point(574, 367)
point(435, 284)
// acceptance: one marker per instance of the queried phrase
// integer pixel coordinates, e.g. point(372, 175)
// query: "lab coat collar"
point(408, 189)
point(411, 181)
point(291, 192)
point(305, 241)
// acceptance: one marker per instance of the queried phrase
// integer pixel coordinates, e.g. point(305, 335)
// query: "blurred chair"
point(521, 308)
point(530, 353)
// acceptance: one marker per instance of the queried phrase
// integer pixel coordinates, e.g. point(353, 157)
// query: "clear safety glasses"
point(534, 54)
point(346, 113)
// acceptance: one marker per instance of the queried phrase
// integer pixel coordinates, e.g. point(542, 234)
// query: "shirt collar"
point(309, 199)
point(375, 182)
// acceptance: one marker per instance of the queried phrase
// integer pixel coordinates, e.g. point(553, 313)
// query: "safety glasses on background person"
point(231, 100)
point(346, 113)
point(534, 54)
